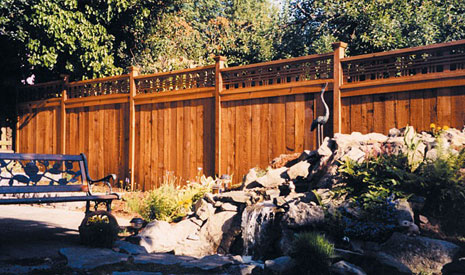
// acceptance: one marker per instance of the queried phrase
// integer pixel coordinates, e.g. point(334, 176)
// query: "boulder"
point(419, 254)
point(302, 214)
point(284, 160)
point(280, 265)
point(217, 228)
point(160, 236)
point(299, 170)
point(209, 263)
point(130, 248)
point(203, 210)
point(273, 178)
point(157, 237)
point(346, 268)
point(84, 258)
point(356, 154)
point(238, 197)
point(403, 211)
point(251, 177)
point(228, 207)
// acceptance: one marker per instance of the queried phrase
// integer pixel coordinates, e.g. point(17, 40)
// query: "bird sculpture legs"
point(320, 134)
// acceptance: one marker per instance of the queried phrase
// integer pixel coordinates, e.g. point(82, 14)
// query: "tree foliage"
point(241, 30)
point(371, 26)
point(86, 38)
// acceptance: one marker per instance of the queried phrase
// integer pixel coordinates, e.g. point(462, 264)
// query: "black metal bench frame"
point(64, 164)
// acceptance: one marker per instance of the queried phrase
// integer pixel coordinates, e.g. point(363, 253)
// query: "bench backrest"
point(42, 173)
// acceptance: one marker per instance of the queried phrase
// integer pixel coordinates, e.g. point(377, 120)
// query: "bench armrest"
point(105, 180)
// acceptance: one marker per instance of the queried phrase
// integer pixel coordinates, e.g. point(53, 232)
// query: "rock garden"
point(360, 204)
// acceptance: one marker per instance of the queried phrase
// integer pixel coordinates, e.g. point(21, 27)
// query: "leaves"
point(371, 26)
point(20, 178)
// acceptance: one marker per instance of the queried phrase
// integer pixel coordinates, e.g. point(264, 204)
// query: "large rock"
point(345, 268)
point(299, 170)
point(280, 265)
point(84, 258)
point(212, 236)
point(209, 263)
point(160, 236)
point(203, 210)
point(239, 197)
point(404, 211)
point(301, 214)
point(419, 254)
point(273, 178)
point(130, 248)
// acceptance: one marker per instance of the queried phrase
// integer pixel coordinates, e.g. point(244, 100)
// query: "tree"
point(242, 30)
point(86, 39)
point(371, 26)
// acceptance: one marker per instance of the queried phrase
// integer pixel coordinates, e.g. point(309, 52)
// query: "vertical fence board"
point(444, 106)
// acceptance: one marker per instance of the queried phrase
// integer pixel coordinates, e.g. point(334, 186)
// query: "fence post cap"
point(134, 69)
point(220, 58)
point(339, 44)
point(65, 77)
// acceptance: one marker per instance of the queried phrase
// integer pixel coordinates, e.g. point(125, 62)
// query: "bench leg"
point(87, 207)
point(108, 203)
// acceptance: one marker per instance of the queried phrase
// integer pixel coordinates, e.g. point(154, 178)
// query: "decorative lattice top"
point(409, 62)
point(41, 91)
point(177, 80)
point(101, 86)
point(279, 72)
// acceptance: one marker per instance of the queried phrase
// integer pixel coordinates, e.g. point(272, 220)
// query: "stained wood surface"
point(101, 133)
point(176, 137)
point(419, 108)
point(256, 131)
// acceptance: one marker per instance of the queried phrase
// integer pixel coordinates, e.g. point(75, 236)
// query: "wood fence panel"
point(38, 131)
point(458, 107)
point(256, 131)
point(100, 132)
point(175, 137)
point(418, 108)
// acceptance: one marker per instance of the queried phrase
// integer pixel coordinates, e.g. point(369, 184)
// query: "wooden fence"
point(227, 120)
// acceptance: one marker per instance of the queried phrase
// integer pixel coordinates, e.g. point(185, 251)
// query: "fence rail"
point(227, 120)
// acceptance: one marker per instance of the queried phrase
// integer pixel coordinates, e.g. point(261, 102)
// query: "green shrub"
point(170, 201)
point(312, 252)
point(441, 181)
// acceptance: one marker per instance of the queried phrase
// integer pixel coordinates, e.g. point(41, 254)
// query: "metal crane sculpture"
point(321, 120)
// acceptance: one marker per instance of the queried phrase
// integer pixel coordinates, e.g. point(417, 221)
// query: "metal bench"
point(42, 178)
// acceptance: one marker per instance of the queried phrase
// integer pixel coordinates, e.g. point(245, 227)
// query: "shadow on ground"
point(26, 239)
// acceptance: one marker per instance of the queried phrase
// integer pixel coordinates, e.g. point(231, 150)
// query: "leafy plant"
point(312, 252)
point(170, 201)
point(376, 178)
point(440, 180)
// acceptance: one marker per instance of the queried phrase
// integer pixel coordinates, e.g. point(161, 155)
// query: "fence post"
point(133, 72)
point(339, 51)
point(220, 60)
point(64, 97)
